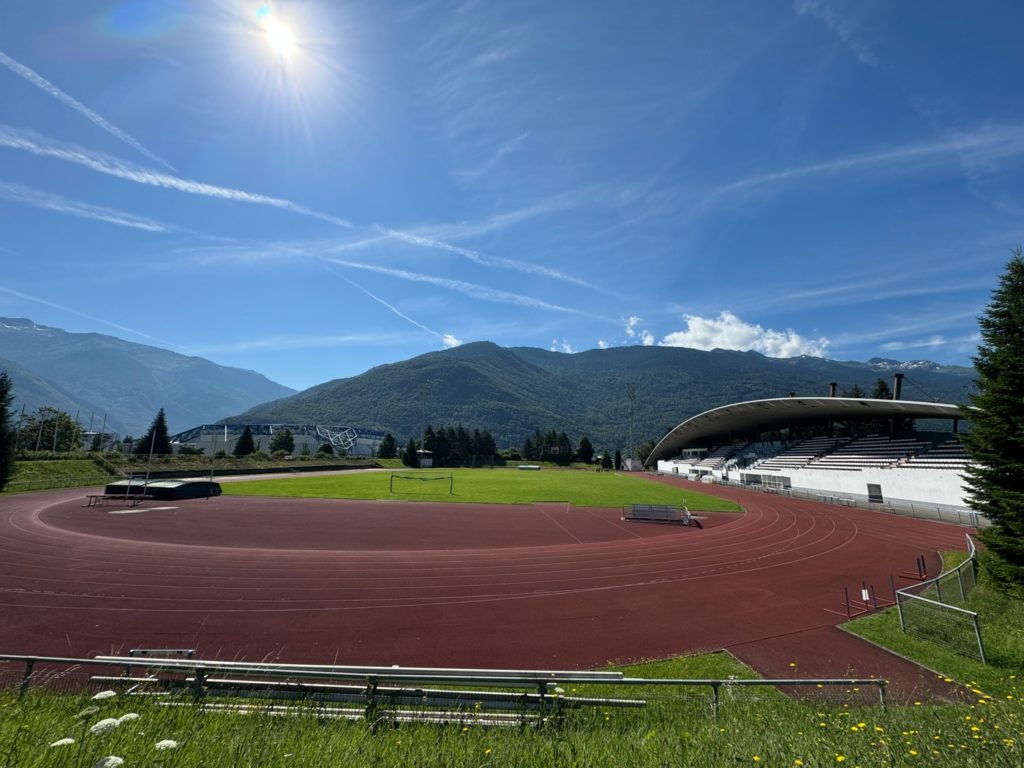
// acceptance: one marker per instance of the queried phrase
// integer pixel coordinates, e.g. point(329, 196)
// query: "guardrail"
point(277, 678)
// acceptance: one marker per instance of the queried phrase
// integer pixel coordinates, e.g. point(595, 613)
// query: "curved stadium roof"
point(763, 415)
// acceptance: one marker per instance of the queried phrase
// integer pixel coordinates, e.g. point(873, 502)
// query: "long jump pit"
point(546, 585)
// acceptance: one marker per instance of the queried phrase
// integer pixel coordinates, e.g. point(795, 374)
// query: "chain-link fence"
point(935, 610)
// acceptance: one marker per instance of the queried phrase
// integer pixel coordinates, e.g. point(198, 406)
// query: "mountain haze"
point(93, 374)
point(512, 391)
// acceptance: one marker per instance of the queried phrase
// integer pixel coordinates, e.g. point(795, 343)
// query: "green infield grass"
point(487, 486)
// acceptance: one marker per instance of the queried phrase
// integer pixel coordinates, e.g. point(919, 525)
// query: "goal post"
point(420, 483)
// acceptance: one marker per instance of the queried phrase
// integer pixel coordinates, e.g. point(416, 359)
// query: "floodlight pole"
point(631, 393)
point(149, 463)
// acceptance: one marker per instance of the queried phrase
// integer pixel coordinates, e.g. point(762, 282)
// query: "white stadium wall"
point(926, 486)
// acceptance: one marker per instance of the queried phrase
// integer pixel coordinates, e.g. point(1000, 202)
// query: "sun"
point(277, 35)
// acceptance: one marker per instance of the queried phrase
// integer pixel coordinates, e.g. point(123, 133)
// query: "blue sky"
point(308, 189)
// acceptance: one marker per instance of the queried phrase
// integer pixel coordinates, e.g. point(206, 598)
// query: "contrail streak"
point(51, 202)
point(44, 302)
point(45, 85)
point(34, 143)
point(461, 286)
point(446, 338)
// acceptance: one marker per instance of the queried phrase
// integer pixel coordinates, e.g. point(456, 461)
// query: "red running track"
point(309, 580)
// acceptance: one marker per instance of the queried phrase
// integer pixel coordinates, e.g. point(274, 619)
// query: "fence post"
point(27, 678)
point(899, 610)
point(881, 692)
point(960, 579)
point(714, 698)
point(977, 634)
point(938, 589)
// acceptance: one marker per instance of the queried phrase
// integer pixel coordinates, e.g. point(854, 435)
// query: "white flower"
point(126, 717)
point(106, 725)
point(104, 695)
point(62, 742)
point(110, 761)
point(166, 744)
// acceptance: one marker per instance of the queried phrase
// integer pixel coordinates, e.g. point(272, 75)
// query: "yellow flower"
point(798, 761)
point(487, 751)
point(913, 752)
point(840, 758)
point(757, 759)
point(792, 663)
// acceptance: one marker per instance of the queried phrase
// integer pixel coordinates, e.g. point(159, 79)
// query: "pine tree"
point(283, 440)
point(156, 440)
point(585, 452)
point(245, 445)
point(409, 457)
point(995, 443)
point(388, 447)
point(7, 434)
point(618, 459)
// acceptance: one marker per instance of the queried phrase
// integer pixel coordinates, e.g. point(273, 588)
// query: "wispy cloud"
point(46, 200)
point(933, 342)
point(70, 311)
point(37, 144)
point(730, 332)
point(461, 286)
point(486, 261)
point(829, 14)
point(505, 148)
point(446, 338)
point(980, 146)
point(45, 85)
point(286, 342)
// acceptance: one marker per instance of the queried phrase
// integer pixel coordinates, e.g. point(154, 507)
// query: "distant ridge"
point(511, 391)
point(93, 374)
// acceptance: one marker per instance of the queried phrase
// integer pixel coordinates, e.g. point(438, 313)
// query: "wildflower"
point(165, 744)
point(879, 729)
point(110, 761)
point(975, 728)
point(62, 742)
point(913, 753)
point(128, 716)
point(106, 725)
point(487, 751)
point(792, 663)
point(798, 761)
point(947, 679)
point(840, 758)
point(757, 758)
point(104, 695)
point(917, 703)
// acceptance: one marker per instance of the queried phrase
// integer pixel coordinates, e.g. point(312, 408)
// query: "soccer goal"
point(421, 484)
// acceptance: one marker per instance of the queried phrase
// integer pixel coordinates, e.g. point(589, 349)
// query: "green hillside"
point(512, 391)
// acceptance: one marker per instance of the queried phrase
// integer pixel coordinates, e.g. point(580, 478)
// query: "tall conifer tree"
point(6, 432)
point(995, 442)
point(156, 437)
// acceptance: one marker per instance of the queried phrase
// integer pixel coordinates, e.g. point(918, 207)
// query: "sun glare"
point(280, 38)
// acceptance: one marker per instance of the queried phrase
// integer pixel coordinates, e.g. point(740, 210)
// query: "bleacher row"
point(873, 451)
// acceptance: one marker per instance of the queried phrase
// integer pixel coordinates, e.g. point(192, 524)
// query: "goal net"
point(421, 484)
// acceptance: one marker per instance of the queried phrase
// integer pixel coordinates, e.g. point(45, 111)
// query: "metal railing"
point(200, 678)
point(934, 609)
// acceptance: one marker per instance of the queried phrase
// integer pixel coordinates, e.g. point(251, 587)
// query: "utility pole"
point(631, 394)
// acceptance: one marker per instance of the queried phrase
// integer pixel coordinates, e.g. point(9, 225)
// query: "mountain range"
point(94, 375)
point(511, 391)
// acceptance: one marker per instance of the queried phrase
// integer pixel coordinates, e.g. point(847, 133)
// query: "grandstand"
point(350, 441)
point(891, 452)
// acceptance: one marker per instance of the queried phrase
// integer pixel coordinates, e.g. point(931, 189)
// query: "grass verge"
point(675, 729)
point(489, 486)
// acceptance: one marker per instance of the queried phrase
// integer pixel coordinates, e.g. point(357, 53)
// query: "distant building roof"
point(764, 415)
